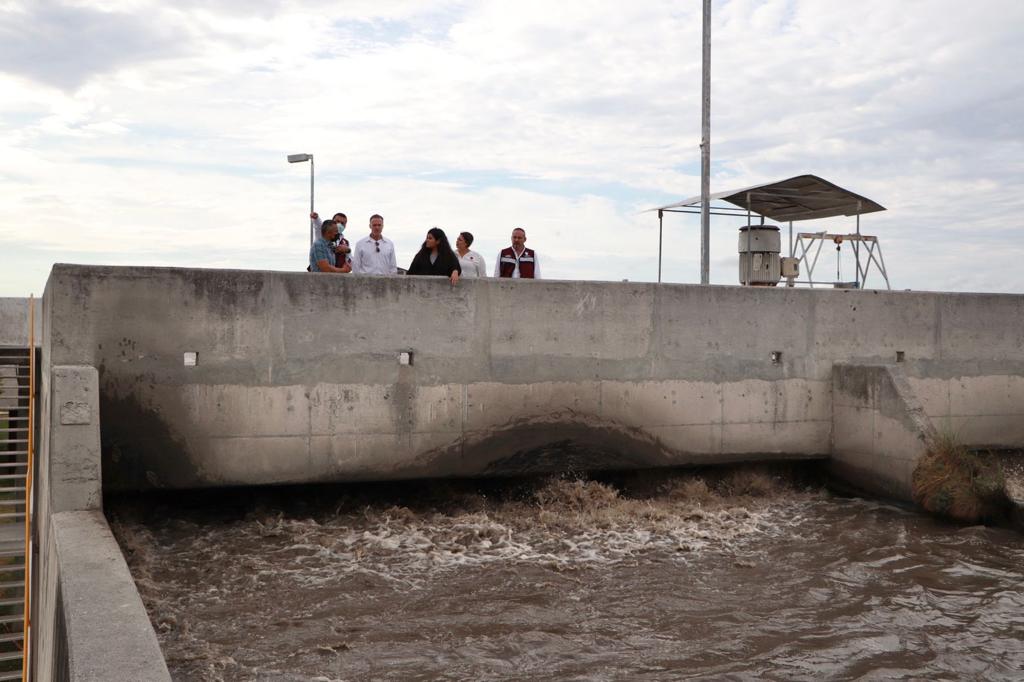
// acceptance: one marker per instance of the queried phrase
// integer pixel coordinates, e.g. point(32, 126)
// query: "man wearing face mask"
point(341, 246)
point(322, 257)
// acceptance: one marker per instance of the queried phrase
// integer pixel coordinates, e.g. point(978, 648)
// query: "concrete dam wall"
point(301, 378)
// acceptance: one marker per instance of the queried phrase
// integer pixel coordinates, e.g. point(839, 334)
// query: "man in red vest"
point(517, 261)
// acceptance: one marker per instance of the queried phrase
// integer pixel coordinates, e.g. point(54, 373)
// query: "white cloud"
point(165, 144)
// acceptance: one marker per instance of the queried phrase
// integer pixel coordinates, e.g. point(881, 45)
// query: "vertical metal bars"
point(17, 440)
point(26, 623)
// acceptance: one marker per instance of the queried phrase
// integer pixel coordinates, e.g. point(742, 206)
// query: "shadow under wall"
point(561, 442)
point(139, 450)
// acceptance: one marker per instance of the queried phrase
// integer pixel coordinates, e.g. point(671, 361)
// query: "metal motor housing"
point(759, 249)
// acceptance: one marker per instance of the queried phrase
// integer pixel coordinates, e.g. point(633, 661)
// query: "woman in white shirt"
point(472, 262)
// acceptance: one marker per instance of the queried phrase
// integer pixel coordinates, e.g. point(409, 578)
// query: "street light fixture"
point(302, 158)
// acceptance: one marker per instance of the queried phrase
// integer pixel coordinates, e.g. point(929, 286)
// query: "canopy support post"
point(661, 222)
point(881, 266)
point(750, 257)
point(856, 251)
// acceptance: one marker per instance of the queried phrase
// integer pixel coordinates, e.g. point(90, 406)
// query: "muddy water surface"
point(660, 578)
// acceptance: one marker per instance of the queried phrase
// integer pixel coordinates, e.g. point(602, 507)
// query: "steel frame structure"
point(872, 253)
point(805, 197)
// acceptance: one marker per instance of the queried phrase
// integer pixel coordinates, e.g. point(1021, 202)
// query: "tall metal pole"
point(856, 250)
point(660, 225)
point(312, 222)
point(705, 152)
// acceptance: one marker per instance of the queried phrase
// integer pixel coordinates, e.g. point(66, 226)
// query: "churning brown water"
point(661, 578)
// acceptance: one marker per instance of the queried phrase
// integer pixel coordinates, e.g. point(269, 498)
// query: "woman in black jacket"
point(436, 257)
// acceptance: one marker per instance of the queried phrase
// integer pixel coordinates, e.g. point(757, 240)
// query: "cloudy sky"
point(146, 132)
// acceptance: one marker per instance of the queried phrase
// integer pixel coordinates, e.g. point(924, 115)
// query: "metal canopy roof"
point(803, 197)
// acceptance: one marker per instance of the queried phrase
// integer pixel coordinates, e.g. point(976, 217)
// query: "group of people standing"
point(375, 254)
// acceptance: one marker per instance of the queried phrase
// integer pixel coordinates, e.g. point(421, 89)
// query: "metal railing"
point(17, 442)
point(26, 627)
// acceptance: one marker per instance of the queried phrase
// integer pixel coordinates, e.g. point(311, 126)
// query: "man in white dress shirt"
point(375, 255)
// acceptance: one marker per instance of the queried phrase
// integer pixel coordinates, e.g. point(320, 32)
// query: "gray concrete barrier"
point(300, 378)
point(212, 378)
point(88, 622)
point(880, 429)
point(102, 630)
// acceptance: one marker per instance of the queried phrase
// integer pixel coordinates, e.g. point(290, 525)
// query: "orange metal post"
point(28, 483)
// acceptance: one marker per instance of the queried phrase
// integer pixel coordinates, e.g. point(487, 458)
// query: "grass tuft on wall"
point(959, 484)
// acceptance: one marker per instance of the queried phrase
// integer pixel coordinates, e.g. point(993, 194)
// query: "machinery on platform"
point(804, 197)
point(759, 248)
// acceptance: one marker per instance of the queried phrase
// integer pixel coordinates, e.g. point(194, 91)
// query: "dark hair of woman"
point(467, 237)
point(435, 256)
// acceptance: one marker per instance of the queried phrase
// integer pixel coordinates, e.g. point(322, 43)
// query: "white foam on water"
point(578, 523)
point(275, 595)
point(184, 569)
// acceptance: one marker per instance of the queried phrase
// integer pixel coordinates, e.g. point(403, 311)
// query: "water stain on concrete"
point(134, 438)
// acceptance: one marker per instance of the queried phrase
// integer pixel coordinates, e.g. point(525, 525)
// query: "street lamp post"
point(302, 158)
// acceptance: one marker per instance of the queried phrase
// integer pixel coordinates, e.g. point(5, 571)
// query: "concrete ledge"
point(67, 483)
point(109, 636)
point(879, 429)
